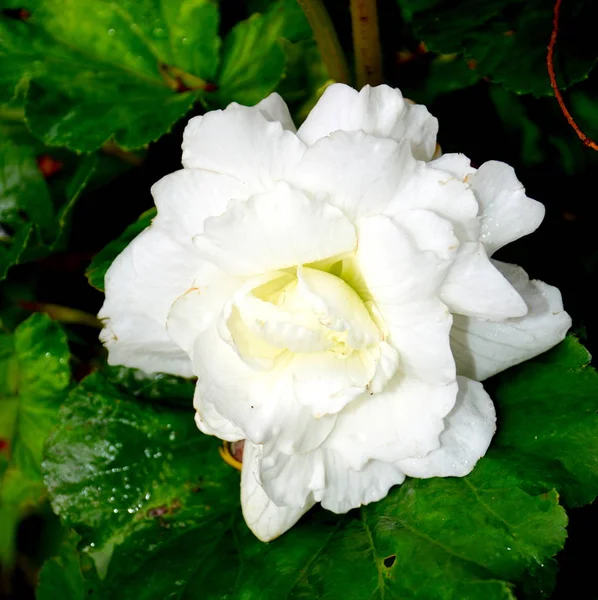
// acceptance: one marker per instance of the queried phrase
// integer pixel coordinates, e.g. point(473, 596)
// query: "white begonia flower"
point(332, 289)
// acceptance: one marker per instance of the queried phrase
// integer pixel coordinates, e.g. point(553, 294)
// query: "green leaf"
point(507, 39)
point(116, 466)
point(35, 211)
point(158, 387)
point(34, 378)
point(101, 70)
point(103, 259)
point(253, 58)
point(169, 527)
point(448, 73)
point(548, 418)
point(68, 575)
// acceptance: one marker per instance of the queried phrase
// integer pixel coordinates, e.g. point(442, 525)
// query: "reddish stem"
point(559, 97)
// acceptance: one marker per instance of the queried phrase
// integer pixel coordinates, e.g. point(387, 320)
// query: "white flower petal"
point(186, 198)
point(475, 288)
point(483, 348)
point(439, 191)
point(457, 165)
point(507, 213)
point(327, 383)
point(141, 285)
point(274, 108)
point(469, 430)
point(403, 421)
point(275, 230)
point(263, 517)
point(359, 172)
point(211, 422)
point(324, 476)
point(243, 143)
point(403, 283)
point(381, 111)
point(260, 403)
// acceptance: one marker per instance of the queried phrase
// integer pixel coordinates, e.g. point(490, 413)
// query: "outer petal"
point(243, 143)
point(263, 517)
point(359, 172)
point(403, 283)
point(275, 230)
point(141, 286)
point(474, 287)
point(274, 108)
point(507, 213)
point(381, 111)
point(323, 475)
point(484, 348)
point(469, 430)
point(403, 421)
point(186, 198)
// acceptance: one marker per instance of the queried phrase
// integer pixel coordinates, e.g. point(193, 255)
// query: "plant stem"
point(326, 39)
point(64, 314)
point(366, 42)
point(590, 143)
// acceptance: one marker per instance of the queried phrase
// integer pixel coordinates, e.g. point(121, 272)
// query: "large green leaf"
point(100, 69)
point(34, 377)
point(507, 39)
point(159, 511)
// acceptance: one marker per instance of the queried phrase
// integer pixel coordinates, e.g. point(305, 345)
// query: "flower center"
point(301, 310)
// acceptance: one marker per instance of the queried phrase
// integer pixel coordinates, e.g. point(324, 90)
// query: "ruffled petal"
point(433, 189)
point(483, 348)
point(275, 230)
point(359, 172)
point(403, 284)
point(260, 403)
point(265, 519)
point(469, 430)
point(241, 142)
point(141, 286)
point(186, 198)
point(403, 421)
point(458, 165)
point(211, 422)
point(381, 111)
point(324, 476)
point(475, 288)
point(506, 212)
point(274, 108)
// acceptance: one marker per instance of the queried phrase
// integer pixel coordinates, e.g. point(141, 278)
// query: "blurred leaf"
point(103, 259)
point(99, 69)
point(507, 39)
point(39, 188)
point(305, 79)
point(447, 73)
point(253, 58)
point(34, 377)
point(62, 576)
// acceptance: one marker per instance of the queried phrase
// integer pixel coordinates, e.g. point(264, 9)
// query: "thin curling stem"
point(366, 42)
point(326, 39)
point(557, 93)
